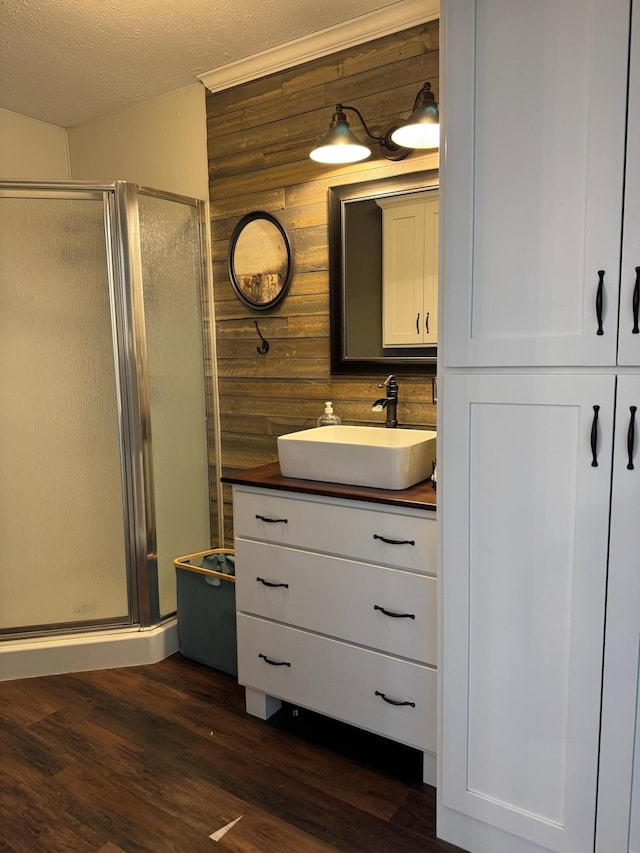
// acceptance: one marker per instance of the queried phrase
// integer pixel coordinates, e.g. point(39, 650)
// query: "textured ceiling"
point(70, 61)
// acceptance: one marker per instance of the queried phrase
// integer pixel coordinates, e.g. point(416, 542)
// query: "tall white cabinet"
point(535, 110)
point(539, 467)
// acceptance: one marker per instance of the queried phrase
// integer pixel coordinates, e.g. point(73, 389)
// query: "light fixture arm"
point(342, 107)
point(390, 149)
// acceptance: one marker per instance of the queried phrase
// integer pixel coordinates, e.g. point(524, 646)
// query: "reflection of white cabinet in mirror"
point(409, 269)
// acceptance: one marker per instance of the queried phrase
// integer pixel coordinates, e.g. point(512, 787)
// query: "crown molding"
point(391, 19)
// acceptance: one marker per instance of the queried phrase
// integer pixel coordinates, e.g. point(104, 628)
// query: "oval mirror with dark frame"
point(400, 212)
point(260, 260)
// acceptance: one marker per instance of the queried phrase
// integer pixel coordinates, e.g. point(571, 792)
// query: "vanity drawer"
point(340, 680)
point(346, 529)
point(339, 597)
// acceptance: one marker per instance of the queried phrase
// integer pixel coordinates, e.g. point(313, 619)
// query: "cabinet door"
point(525, 530)
point(532, 170)
point(403, 258)
point(430, 290)
point(410, 226)
point(618, 828)
point(629, 334)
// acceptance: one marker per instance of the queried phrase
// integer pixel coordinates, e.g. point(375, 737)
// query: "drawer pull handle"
point(394, 541)
point(636, 303)
point(599, 302)
point(594, 437)
point(274, 662)
point(272, 520)
point(395, 615)
point(394, 701)
point(269, 583)
point(631, 436)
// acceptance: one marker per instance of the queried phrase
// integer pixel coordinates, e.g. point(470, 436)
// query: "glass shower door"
point(62, 539)
point(172, 274)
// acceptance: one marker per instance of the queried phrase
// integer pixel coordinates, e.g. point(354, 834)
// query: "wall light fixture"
point(420, 130)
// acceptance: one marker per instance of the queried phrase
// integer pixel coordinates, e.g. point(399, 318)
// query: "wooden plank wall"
point(259, 138)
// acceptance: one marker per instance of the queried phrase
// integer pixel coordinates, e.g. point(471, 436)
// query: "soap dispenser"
point(328, 418)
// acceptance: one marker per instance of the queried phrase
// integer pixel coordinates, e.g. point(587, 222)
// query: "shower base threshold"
point(119, 647)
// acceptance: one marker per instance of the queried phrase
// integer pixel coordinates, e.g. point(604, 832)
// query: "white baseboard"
point(83, 652)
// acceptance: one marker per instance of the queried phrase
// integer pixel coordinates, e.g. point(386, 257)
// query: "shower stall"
point(104, 438)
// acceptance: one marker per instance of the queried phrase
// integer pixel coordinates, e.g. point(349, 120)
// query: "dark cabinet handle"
point(273, 520)
point(594, 437)
point(631, 436)
point(274, 662)
point(395, 615)
point(394, 541)
point(426, 322)
point(636, 303)
point(418, 324)
point(393, 701)
point(599, 301)
point(268, 583)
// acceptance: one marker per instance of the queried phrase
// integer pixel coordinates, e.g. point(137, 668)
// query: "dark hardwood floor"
point(159, 758)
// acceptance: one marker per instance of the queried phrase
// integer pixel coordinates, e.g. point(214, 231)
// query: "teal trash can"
point(206, 588)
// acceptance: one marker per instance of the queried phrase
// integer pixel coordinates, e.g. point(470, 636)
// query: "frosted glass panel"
point(62, 552)
point(171, 274)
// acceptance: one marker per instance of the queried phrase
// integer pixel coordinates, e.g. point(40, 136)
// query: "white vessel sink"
point(359, 456)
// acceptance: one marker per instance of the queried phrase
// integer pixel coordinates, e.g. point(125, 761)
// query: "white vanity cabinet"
point(410, 269)
point(336, 611)
point(539, 461)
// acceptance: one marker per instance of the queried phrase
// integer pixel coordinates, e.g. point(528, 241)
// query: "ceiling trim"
point(391, 19)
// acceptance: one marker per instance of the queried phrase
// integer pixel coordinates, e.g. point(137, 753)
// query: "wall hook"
point(263, 349)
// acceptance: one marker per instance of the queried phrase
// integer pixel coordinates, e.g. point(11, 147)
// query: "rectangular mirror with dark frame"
point(384, 302)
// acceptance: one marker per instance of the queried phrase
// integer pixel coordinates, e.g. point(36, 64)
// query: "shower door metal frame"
point(124, 273)
point(104, 192)
point(146, 540)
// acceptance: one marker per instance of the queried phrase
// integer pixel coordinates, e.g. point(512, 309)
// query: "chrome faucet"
point(390, 402)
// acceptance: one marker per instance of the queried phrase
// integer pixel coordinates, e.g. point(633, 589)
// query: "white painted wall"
point(32, 149)
point(160, 143)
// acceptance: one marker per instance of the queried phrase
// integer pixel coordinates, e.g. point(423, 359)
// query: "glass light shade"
point(340, 153)
point(421, 135)
point(422, 128)
point(339, 145)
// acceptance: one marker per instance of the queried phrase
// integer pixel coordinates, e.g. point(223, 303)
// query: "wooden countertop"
point(420, 496)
